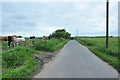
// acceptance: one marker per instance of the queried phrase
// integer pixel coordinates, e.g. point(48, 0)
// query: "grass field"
point(98, 47)
point(19, 62)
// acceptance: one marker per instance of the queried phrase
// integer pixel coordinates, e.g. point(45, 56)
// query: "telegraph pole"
point(76, 33)
point(107, 22)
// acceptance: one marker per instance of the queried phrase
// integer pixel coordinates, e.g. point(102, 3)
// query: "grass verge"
point(18, 62)
point(50, 45)
point(97, 46)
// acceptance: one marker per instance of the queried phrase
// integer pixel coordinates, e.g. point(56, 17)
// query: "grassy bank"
point(98, 47)
point(50, 45)
point(19, 62)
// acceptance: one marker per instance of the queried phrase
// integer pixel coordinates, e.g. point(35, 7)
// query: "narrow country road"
point(76, 61)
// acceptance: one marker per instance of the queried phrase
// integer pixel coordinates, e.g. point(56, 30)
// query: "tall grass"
point(99, 44)
point(50, 45)
point(98, 47)
point(18, 62)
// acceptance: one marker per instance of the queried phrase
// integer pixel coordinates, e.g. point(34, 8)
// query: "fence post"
point(33, 42)
point(32, 37)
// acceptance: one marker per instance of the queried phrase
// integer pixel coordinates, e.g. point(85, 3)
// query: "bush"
point(60, 33)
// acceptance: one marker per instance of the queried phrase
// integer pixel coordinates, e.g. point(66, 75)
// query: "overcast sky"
point(42, 18)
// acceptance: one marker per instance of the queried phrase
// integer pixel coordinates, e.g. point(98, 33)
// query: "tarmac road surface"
point(76, 61)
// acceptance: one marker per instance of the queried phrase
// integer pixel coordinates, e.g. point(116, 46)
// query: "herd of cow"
point(14, 39)
point(17, 40)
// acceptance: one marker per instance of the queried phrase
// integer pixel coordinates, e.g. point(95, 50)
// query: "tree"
point(60, 33)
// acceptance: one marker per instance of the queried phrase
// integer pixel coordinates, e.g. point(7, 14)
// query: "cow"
point(49, 37)
point(19, 41)
point(8, 38)
point(3, 38)
point(45, 38)
point(9, 41)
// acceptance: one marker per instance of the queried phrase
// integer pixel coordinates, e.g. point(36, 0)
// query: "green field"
point(19, 62)
point(98, 47)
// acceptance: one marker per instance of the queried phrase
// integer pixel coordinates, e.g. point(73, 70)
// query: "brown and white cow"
point(20, 41)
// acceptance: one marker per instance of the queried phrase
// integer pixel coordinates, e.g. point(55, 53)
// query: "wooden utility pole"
point(107, 22)
point(77, 33)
